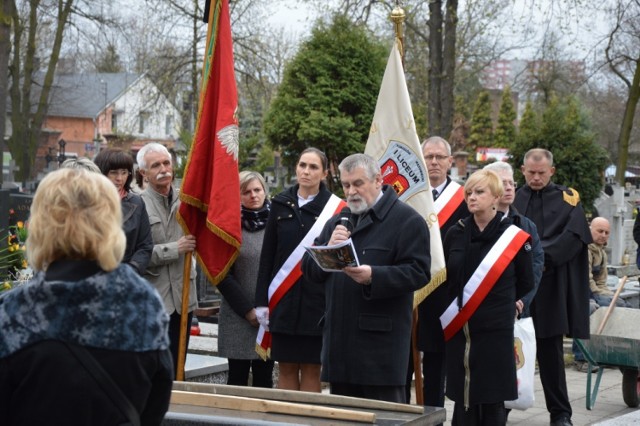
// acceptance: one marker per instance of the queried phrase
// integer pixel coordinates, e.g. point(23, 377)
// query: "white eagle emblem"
point(230, 138)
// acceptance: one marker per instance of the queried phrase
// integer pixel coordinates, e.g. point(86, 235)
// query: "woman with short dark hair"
point(117, 165)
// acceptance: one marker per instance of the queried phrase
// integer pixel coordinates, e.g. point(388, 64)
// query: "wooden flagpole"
point(186, 273)
point(184, 317)
point(398, 16)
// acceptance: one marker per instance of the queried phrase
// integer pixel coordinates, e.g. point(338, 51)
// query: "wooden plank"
point(267, 406)
point(297, 396)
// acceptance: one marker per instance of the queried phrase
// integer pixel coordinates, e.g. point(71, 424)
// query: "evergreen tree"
point(527, 137)
point(481, 123)
point(505, 134)
point(328, 94)
point(565, 131)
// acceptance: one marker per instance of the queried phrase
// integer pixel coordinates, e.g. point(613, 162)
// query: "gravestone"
point(21, 205)
point(4, 210)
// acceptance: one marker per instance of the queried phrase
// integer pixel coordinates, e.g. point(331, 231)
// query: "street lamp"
point(61, 155)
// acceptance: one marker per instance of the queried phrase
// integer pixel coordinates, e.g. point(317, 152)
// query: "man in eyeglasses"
point(449, 204)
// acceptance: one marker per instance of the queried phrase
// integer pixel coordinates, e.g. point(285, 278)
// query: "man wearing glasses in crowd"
point(446, 193)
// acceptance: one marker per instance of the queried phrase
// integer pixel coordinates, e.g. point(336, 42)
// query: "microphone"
point(345, 219)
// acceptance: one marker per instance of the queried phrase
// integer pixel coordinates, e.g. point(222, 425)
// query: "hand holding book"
point(333, 258)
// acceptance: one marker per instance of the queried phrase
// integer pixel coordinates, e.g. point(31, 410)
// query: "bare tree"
point(623, 56)
point(5, 50)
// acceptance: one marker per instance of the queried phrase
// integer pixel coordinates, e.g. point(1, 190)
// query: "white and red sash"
point(483, 279)
point(291, 270)
point(448, 201)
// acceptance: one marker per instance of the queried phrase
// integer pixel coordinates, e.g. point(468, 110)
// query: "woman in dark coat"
point(117, 165)
point(295, 321)
point(481, 371)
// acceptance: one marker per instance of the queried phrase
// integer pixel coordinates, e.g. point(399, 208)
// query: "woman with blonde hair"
point(238, 324)
point(87, 337)
point(489, 268)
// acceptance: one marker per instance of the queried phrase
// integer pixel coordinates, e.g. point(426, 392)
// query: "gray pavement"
point(609, 410)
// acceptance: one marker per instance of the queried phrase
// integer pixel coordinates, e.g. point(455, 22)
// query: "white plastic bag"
point(525, 352)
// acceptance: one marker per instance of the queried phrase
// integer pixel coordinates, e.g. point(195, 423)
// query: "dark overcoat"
point(480, 355)
point(367, 327)
point(301, 308)
point(561, 305)
point(135, 223)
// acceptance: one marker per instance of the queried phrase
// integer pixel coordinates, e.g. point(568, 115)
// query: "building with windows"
point(92, 111)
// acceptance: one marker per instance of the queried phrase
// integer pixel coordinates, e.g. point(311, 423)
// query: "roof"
point(83, 95)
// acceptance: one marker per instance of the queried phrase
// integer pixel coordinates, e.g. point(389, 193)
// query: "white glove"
point(262, 314)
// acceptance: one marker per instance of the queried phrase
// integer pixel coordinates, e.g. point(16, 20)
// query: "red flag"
point(210, 193)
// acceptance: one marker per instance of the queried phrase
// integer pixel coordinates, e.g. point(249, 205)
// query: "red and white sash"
point(290, 271)
point(448, 202)
point(483, 279)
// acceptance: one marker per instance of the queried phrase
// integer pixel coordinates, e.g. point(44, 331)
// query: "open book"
point(334, 258)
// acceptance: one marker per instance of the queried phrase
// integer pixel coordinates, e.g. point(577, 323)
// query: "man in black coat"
point(369, 307)
point(561, 305)
point(437, 156)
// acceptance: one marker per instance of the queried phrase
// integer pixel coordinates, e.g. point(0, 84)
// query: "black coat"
point(485, 343)
point(117, 316)
point(561, 305)
point(430, 336)
point(301, 308)
point(367, 328)
point(138, 232)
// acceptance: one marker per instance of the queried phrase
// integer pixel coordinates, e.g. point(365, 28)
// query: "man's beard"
point(358, 206)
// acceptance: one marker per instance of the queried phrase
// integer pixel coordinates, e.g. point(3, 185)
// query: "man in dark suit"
point(561, 305)
point(368, 316)
point(450, 206)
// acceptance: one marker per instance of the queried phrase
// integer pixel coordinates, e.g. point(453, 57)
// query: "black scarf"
point(255, 220)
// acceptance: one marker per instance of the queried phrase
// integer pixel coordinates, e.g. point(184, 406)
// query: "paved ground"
point(609, 409)
point(609, 403)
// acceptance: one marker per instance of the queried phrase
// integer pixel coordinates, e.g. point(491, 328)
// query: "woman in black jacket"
point(478, 328)
point(295, 321)
point(117, 165)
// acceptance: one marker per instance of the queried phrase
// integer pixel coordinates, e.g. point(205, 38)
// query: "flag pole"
point(398, 16)
point(184, 317)
point(186, 273)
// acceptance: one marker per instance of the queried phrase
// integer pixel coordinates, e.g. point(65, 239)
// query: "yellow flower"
point(5, 286)
point(11, 249)
point(24, 264)
point(20, 224)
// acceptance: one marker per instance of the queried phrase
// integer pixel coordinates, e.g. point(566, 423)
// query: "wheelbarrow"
point(616, 345)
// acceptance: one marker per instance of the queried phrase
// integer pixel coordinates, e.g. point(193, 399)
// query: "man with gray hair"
point(165, 269)
point(449, 205)
point(369, 307)
point(505, 172)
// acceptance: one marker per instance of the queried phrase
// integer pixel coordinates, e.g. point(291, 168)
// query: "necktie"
point(435, 194)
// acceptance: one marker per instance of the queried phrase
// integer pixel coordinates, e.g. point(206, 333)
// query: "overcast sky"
point(579, 34)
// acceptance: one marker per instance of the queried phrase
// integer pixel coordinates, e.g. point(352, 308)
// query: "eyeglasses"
point(510, 183)
point(430, 157)
point(118, 173)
